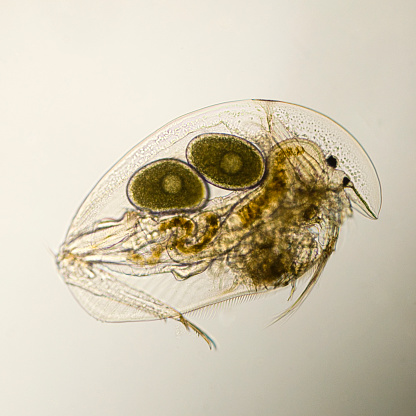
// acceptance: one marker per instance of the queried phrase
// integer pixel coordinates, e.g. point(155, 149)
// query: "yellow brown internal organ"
point(283, 246)
point(153, 258)
point(179, 240)
point(266, 237)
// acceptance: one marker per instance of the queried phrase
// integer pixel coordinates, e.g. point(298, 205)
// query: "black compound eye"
point(332, 161)
point(345, 181)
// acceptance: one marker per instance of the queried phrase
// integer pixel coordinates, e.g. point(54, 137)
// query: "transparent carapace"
point(231, 201)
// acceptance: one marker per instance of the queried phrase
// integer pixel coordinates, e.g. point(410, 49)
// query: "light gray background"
point(81, 82)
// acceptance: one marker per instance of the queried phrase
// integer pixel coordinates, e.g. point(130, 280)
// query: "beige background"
point(81, 82)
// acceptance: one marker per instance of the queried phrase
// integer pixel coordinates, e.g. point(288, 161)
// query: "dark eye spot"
point(332, 161)
point(345, 181)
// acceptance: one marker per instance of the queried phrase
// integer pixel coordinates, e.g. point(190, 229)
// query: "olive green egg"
point(226, 161)
point(167, 185)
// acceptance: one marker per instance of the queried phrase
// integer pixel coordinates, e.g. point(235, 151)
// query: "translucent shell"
point(226, 161)
point(231, 201)
point(167, 185)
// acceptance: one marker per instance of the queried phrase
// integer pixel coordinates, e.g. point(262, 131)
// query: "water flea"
point(229, 202)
